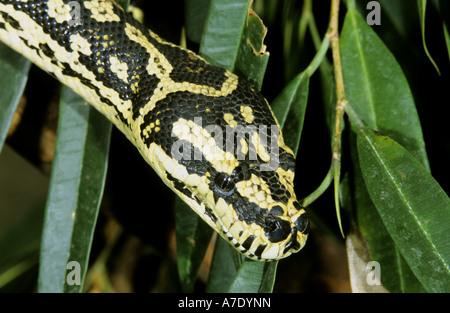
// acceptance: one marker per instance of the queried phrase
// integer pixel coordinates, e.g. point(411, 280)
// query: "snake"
point(209, 134)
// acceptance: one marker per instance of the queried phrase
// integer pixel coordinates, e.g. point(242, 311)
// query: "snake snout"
point(276, 229)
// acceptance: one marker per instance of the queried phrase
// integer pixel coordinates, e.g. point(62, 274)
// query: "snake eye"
point(224, 183)
point(276, 229)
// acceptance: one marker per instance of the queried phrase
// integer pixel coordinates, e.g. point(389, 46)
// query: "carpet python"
point(210, 135)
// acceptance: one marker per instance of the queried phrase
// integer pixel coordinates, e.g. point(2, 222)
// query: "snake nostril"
point(302, 224)
point(276, 229)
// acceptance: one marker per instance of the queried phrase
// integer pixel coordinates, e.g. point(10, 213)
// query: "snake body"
point(210, 135)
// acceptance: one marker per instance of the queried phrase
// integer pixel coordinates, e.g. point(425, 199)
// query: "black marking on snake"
point(11, 21)
point(248, 242)
point(189, 67)
point(25, 42)
point(146, 87)
point(180, 186)
point(260, 250)
point(293, 243)
point(210, 214)
point(99, 36)
point(68, 71)
point(47, 51)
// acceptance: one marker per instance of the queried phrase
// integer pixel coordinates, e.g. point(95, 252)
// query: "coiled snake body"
point(209, 135)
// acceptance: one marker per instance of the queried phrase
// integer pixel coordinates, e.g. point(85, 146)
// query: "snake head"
point(249, 201)
point(226, 158)
point(257, 211)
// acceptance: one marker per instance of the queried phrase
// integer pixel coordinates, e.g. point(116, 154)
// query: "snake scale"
point(210, 135)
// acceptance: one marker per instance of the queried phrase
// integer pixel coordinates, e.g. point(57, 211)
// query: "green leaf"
point(248, 278)
point(269, 274)
point(14, 69)
point(223, 267)
point(447, 38)
point(218, 46)
point(192, 237)
point(413, 207)
point(396, 275)
point(76, 187)
point(422, 6)
point(252, 57)
point(377, 88)
point(444, 8)
point(289, 108)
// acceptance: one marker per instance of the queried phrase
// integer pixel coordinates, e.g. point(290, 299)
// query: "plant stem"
point(333, 36)
point(319, 57)
point(321, 189)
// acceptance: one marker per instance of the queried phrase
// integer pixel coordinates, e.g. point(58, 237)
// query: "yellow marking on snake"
point(222, 161)
point(247, 113)
point(59, 11)
point(119, 68)
point(155, 92)
point(80, 44)
point(102, 11)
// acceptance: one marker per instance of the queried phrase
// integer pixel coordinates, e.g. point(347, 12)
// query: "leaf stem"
point(333, 35)
point(318, 58)
point(307, 21)
point(321, 189)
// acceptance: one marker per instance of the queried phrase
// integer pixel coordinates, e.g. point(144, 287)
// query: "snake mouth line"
point(258, 251)
point(263, 251)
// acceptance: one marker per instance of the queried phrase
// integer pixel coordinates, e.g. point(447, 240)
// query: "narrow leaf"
point(248, 278)
point(14, 69)
point(413, 207)
point(447, 38)
point(290, 107)
point(422, 6)
point(192, 237)
point(76, 187)
point(223, 268)
point(444, 8)
point(377, 88)
point(396, 275)
point(217, 45)
point(252, 57)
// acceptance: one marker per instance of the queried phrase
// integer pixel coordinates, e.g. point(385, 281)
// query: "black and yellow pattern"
point(210, 135)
